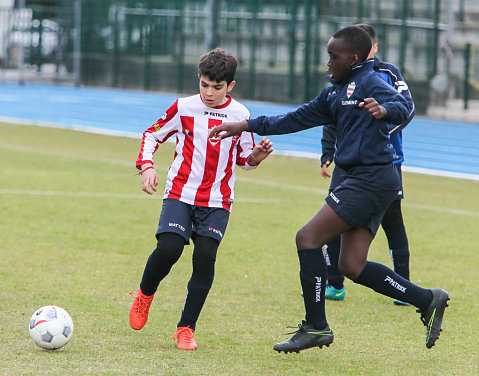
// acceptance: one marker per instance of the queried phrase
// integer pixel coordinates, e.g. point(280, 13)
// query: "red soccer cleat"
point(139, 309)
point(184, 335)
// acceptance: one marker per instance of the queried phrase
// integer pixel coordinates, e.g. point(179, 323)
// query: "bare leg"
point(354, 252)
point(322, 228)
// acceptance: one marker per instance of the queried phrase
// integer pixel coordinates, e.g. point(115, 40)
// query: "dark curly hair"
point(218, 65)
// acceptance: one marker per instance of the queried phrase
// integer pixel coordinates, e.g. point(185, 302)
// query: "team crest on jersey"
point(187, 132)
point(351, 88)
point(214, 140)
point(157, 125)
point(211, 124)
point(160, 122)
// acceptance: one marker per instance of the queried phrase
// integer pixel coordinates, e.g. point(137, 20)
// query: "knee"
point(350, 269)
point(300, 239)
point(170, 245)
point(204, 257)
point(306, 240)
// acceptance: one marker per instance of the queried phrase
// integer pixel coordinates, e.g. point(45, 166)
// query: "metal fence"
point(38, 39)
point(281, 45)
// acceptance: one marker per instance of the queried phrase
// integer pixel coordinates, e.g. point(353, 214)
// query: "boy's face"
point(341, 59)
point(374, 50)
point(213, 93)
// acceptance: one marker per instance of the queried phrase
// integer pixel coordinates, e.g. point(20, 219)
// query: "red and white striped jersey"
point(203, 170)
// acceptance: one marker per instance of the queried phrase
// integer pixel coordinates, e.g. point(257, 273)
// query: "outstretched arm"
point(312, 114)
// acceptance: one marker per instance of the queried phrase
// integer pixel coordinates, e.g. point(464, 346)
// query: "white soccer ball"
point(51, 327)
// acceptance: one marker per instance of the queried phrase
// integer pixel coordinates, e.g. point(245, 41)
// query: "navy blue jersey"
point(360, 138)
point(389, 73)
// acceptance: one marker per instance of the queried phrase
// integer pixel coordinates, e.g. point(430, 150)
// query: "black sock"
point(198, 289)
point(331, 252)
point(393, 226)
point(399, 248)
point(204, 258)
point(384, 281)
point(313, 271)
point(168, 251)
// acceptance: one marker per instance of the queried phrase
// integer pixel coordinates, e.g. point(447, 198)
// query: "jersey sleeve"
point(395, 104)
point(401, 87)
point(309, 115)
point(391, 74)
point(244, 149)
point(328, 143)
point(164, 128)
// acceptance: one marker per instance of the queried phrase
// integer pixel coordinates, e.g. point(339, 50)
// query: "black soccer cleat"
point(306, 337)
point(432, 316)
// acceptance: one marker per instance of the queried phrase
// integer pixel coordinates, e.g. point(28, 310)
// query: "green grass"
point(76, 231)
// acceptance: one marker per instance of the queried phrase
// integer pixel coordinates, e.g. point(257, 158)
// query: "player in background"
point(361, 105)
point(392, 222)
point(199, 189)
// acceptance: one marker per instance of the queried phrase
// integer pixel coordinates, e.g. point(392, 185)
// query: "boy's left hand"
point(260, 151)
point(373, 108)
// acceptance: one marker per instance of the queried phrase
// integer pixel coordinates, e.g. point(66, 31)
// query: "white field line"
point(65, 154)
point(440, 209)
point(79, 128)
point(139, 196)
point(78, 156)
point(447, 174)
point(289, 153)
point(136, 196)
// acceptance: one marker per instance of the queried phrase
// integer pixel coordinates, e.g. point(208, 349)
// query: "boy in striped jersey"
point(199, 189)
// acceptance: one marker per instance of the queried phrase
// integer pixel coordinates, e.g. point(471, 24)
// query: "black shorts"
point(364, 193)
point(187, 220)
point(400, 195)
point(338, 176)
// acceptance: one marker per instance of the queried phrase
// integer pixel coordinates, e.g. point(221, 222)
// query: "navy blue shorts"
point(338, 176)
point(364, 193)
point(187, 220)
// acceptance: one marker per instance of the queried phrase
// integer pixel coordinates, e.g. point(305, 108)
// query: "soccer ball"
point(51, 327)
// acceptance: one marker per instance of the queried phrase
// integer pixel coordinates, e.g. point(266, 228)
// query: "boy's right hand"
point(373, 108)
point(228, 129)
point(149, 179)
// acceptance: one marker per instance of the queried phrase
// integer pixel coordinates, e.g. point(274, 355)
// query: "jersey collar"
point(226, 104)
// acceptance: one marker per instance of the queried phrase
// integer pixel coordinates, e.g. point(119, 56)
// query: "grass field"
point(76, 231)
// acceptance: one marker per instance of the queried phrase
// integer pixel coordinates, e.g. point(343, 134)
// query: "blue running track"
point(431, 146)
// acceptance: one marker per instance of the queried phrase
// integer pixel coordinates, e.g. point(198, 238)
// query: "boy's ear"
point(231, 86)
point(354, 59)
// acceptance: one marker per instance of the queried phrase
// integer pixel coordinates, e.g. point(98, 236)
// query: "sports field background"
point(76, 231)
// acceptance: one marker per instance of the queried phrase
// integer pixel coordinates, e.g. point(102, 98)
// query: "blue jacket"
point(360, 138)
point(389, 73)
